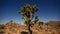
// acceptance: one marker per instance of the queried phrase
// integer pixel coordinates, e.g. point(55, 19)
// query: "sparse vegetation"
point(36, 29)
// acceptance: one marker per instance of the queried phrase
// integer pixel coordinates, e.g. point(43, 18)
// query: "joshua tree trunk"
point(30, 31)
point(29, 25)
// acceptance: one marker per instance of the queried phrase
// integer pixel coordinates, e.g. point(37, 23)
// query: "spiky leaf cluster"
point(28, 12)
point(28, 9)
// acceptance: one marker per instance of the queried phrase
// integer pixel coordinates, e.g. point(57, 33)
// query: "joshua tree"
point(36, 19)
point(28, 13)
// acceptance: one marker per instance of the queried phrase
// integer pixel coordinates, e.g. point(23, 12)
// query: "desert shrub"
point(1, 32)
point(24, 32)
point(2, 27)
point(58, 25)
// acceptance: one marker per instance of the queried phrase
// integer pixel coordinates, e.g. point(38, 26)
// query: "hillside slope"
point(37, 28)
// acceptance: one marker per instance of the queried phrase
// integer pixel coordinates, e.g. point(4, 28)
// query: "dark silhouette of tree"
point(28, 12)
point(36, 19)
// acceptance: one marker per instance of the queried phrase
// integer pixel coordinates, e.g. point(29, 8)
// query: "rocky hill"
point(37, 28)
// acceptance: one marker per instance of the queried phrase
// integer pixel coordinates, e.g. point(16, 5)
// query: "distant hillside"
point(54, 23)
point(37, 28)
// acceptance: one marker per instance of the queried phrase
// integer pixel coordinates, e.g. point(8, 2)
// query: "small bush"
point(2, 27)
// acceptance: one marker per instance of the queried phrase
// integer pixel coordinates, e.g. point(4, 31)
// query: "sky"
point(48, 10)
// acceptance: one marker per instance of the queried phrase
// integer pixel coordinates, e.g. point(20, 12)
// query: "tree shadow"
point(23, 32)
